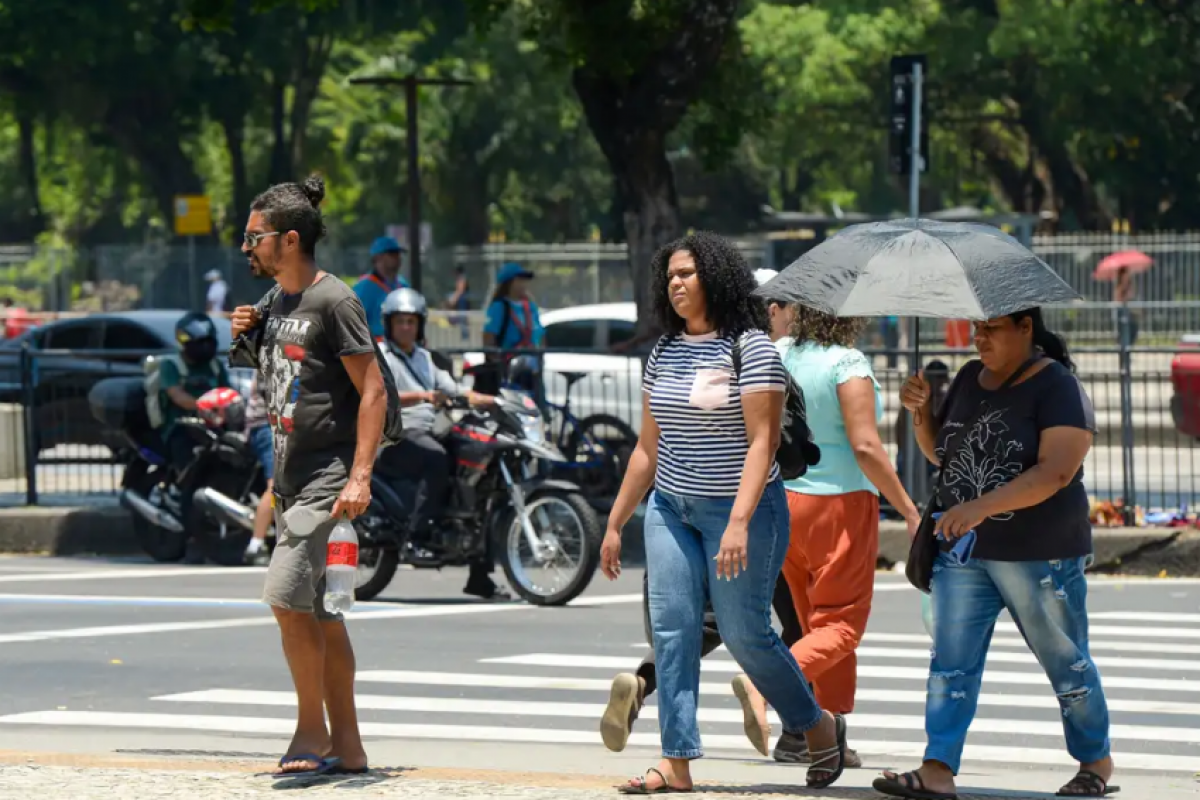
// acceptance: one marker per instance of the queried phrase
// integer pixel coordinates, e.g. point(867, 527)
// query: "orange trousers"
point(830, 568)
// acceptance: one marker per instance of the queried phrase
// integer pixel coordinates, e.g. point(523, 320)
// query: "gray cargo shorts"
point(296, 575)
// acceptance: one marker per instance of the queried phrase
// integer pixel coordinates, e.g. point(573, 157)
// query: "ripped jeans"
point(1048, 602)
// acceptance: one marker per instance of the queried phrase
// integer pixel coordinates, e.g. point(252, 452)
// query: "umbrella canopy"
point(919, 268)
point(1133, 260)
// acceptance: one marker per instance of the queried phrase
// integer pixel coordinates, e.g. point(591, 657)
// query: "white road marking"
point(1044, 701)
point(284, 727)
point(889, 672)
point(114, 574)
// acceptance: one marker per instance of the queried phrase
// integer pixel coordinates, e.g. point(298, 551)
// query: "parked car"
point(62, 383)
point(1185, 380)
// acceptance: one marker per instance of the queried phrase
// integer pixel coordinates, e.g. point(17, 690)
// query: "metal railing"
point(52, 450)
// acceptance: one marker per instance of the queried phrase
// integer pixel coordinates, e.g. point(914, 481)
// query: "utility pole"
point(411, 83)
point(911, 156)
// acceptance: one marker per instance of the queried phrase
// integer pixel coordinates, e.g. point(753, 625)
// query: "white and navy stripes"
point(695, 398)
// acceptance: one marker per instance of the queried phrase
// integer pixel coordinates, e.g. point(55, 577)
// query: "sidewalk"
point(24, 776)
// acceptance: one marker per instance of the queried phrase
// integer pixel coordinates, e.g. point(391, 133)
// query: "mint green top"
point(819, 371)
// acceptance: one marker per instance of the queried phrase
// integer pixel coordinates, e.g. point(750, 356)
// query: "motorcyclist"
point(419, 457)
point(180, 388)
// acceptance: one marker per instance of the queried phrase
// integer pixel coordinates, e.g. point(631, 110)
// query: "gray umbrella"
point(919, 268)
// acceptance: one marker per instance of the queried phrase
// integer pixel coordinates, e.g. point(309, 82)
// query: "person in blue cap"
point(513, 323)
point(383, 279)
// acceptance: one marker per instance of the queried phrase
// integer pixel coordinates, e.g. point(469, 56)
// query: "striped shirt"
point(695, 398)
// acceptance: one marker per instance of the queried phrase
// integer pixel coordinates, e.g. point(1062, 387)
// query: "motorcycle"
point(546, 534)
point(211, 501)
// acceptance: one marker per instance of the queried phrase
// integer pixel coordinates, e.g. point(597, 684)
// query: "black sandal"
point(641, 788)
point(819, 758)
point(1091, 784)
point(909, 785)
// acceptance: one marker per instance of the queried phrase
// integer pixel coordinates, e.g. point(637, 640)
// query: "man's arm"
point(171, 382)
point(363, 370)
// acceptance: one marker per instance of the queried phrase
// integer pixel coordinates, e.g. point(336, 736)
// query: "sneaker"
point(487, 589)
point(625, 700)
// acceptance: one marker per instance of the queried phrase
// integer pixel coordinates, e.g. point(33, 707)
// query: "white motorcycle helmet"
point(404, 301)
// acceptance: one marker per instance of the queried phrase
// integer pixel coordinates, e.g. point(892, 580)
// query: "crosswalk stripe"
point(280, 726)
point(1001, 641)
point(592, 711)
point(619, 662)
point(616, 663)
point(1044, 700)
point(1146, 616)
point(1131, 631)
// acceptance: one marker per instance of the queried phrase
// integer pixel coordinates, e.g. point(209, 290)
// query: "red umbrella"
point(1133, 260)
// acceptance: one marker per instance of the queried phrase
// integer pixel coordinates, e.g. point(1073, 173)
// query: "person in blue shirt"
point(513, 323)
point(383, 279)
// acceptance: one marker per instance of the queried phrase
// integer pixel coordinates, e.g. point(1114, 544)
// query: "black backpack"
point(797, 450)
point(243, 352)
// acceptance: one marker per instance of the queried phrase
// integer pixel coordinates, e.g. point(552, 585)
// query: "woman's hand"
point(956, 522)
point(731, 558)
point(610, 554)
point(912, 522)
point(915, 393)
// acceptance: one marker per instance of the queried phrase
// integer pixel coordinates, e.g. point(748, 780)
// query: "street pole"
point(914, 204)
point(411, 83)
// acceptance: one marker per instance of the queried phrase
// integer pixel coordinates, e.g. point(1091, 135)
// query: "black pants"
point(423, 459)
point(420, 458)
point(784, 609)
point(181, 449)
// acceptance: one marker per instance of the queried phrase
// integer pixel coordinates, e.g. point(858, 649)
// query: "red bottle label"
point(342, 554)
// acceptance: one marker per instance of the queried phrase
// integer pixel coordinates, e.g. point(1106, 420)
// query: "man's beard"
point(261, 270)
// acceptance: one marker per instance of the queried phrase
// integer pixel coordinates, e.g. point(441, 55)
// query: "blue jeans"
point(1048, 602)
point(263, 442)
point(683, 535)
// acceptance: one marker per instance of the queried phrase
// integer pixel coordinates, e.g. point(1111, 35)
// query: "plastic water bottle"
point(341, 568)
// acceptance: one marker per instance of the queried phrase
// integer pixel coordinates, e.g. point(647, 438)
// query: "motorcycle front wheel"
point(160, 544)
point(566, 555)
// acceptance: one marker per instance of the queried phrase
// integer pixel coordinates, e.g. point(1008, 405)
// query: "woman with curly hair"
point(834, 510)
point(716, 523)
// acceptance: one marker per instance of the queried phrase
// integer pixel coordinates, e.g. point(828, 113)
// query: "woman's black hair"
point(1049, 342)
point(295, 207)
point(502, 290)
point(727, 282)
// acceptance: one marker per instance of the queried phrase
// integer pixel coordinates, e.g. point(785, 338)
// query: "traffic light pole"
point(912, 456)
point(411, 83)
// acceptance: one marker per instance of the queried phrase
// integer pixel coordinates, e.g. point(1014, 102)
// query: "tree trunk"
point(232, 124)
point(155, 145)
point(636, 154)
point(34, 218)
point(312, 59)
point(280, 168)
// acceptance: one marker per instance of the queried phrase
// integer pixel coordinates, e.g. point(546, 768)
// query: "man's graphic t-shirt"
point(312, 405)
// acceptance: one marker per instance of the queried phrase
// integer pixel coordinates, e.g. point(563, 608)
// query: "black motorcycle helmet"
point(523, 372)
point(197, 337)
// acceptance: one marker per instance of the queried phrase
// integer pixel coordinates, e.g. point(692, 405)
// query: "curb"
point(191, 763)
point(106, 531)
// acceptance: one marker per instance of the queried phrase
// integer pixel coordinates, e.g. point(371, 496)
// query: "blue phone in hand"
point(961, 552)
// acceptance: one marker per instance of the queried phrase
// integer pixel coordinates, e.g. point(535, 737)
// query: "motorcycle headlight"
point(535, 428)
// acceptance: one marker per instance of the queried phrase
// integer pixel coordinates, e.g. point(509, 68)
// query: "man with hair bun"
point(326, 406)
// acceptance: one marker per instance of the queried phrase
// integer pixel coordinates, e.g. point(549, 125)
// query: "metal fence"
point(161, 275)
point(52, 451)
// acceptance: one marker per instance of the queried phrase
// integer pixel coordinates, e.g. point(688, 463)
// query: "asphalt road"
point(100, 656)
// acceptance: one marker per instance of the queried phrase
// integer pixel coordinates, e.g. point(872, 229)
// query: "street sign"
point(193, 215)
point(900, 114)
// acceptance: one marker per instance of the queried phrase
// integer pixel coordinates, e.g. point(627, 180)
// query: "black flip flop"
point(820, 757)
point(909, 785)
point(641, 788)
point(1093, 784)
point(324, 765)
